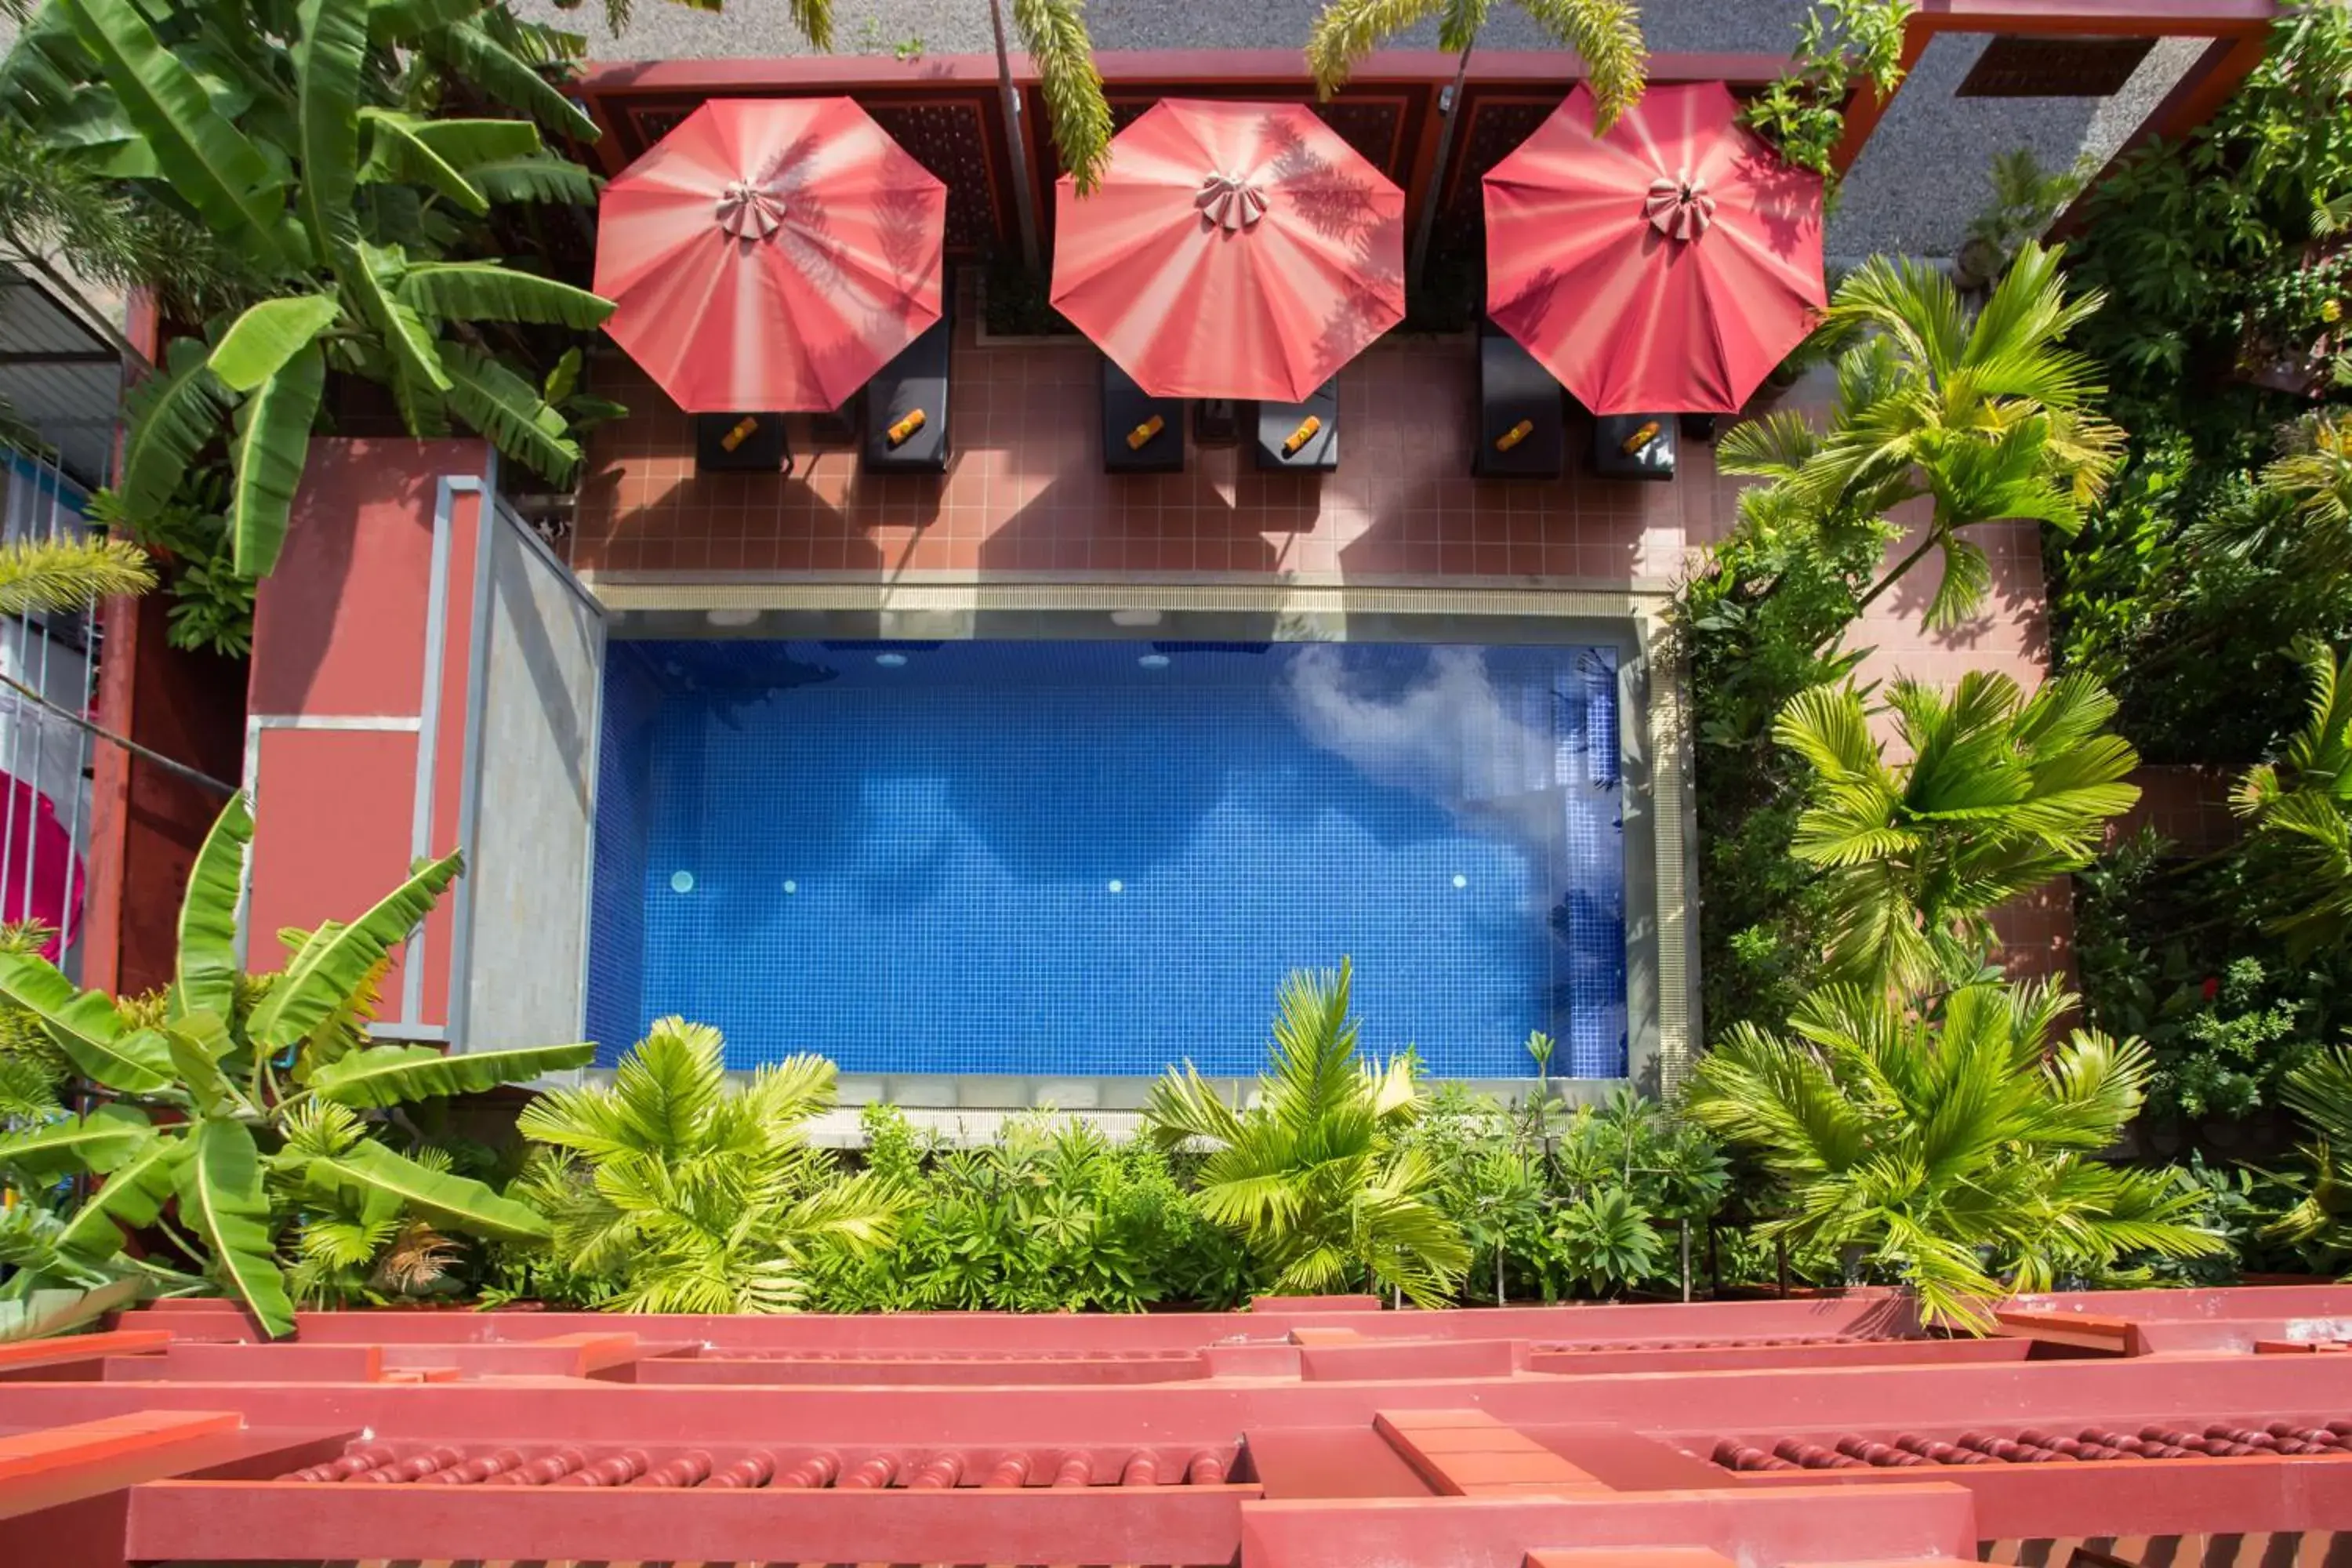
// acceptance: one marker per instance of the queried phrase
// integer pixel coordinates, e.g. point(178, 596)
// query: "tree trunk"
point(1934, 537)
point(1498, 1274)
point(1024, 201)
point(1429, 203)
point(1687, 1275)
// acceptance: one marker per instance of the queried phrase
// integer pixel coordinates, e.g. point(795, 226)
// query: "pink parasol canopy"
point(771, 254)
point(1665, 267)
point(1232, 250)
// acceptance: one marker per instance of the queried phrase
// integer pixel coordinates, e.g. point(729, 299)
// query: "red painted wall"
point(344, 648)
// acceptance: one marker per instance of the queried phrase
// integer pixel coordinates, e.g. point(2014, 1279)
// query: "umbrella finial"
point(1679, 206)
point(1230, 202)
point(749, 211)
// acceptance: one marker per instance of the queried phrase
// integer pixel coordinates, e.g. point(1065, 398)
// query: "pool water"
point(1063, 858)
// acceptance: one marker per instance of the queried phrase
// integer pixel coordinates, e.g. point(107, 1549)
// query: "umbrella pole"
point(1016, 141)
point(1430, 197)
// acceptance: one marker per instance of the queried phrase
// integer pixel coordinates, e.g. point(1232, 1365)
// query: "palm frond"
point(1053, 32)
point(1607, 35)
point(1345, 31)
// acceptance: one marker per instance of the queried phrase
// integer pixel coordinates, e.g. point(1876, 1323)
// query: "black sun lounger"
point(1652, 439)
point(1127, 408)
point(742, 443)
point(917, 379)
point(1515, 390)
point(1278, 422)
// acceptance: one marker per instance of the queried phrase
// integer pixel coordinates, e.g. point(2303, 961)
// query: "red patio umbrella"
point(1232, 250)
point(1665, 267)
point(769, 254)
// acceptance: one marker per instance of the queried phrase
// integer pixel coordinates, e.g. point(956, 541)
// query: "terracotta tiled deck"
point(1025, 492)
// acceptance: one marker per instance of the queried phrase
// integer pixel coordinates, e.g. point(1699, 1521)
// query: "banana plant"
point(240, 1101)
point(303, 138)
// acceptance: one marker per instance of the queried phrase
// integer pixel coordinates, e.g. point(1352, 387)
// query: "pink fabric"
point(36, 841)
point(1662, 268)
point(1232, 250)
point(771, 254)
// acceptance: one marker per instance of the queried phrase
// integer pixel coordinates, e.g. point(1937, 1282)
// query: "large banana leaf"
point(328, 58)
point(222, 1202)
point(208, 161)
point(465, 144)
point(370, 1171)
point(415, 359)
point(345, 1029)
point(206, 981)
point(539, 179)
point(198, 1043)
point(272, 443)
point(85, 1026)
point(269, 335)
point(395, 152)
point(389, 1075)
point(506, 77)
point(509, 411)
point(170, 416)
point(99, 1142)
point(129, 1199)
point(48, 1313)
point(327, 971)
point(486, 292)
point(45, 67)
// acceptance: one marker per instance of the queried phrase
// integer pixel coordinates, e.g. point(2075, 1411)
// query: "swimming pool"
point(1094, 859)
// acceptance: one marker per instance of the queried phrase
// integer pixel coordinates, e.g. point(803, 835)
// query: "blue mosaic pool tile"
point(1100, 859)
point(616, 896)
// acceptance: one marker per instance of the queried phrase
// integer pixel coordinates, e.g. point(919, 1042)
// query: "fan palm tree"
point(695, 1197)
point(2300, 809)
point(1605, 34)
point(1987, 415)
point(2001, 792)
point(2315, 478)
point(1316, 1172)
point(2320, 1091)
point(1940, 1149)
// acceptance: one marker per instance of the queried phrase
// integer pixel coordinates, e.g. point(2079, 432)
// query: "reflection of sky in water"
point(1049, 858)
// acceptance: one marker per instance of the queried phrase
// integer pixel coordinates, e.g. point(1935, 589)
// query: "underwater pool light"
point(890, 660)
point(1153, 661)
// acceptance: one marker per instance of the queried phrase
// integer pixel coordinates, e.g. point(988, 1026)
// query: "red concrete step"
point(71, 1348)
point(1468, 1452)
point(1626, 1557)
point(2080, 1330)
point(53, 1465)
